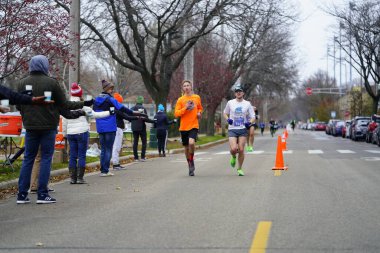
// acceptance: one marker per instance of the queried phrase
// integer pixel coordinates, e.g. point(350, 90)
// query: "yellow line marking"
point(277, 173)
point(260, 240)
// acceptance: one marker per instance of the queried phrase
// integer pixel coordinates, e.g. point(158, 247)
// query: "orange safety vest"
point(59, 138)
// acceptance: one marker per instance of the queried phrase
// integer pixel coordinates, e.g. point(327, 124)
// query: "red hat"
point(76, 90)
point(118, 97)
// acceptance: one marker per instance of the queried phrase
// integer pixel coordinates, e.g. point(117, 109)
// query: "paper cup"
point(28, 87)
point(5, 102)
point(88, 97)
point(47, 94)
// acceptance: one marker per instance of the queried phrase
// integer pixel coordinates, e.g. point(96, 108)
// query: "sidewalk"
point(123, 160)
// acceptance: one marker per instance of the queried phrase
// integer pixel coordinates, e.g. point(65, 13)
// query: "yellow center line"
point(277, 173)
point(260, 240)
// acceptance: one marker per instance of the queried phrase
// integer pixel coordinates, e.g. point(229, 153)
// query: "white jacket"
point(80, 125)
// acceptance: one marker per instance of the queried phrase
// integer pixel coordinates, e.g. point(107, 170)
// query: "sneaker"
point(191, 168)
point(240, 172)
point(250, 149)
point(143, 160)
point(22, 199)
point(45, 199)
point(108, 174)
point(118, 167)
point(233, 161)
point(51, 190)
point(136, 160)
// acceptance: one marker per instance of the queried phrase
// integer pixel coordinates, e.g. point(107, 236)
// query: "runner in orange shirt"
point(189, 109)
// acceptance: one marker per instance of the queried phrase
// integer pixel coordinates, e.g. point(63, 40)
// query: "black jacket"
point(46, 117)
point(138, 125)
point(162, 121)
point(121, 116)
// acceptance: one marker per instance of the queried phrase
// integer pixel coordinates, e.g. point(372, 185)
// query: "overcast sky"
point(314, 33)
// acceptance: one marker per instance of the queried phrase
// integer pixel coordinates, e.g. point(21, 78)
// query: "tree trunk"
point(375, 102)
point(210, 122)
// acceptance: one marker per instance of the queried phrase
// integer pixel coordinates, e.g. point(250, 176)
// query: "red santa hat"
point(76, 90)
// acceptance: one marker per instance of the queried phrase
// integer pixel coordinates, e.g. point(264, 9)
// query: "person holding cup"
point(139, 130)
point(41, 123)
point(107, 127)
point(77, 133)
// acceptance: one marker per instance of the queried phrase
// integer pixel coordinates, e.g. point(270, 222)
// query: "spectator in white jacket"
point(77, 133)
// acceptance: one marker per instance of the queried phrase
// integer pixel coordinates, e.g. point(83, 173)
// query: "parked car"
point(376, 135)
point(329, 125)
point(337, 128)
point(320, 126)
point(359, 130)
point(346, 129)
point(375, 121)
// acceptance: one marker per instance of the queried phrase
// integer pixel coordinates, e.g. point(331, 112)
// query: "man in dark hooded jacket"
point(41, 124)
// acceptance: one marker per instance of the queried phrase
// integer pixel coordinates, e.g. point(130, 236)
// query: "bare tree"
point(156, 29)
point(360, 27)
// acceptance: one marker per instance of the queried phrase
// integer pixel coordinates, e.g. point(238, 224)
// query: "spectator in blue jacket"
point(107, 127)
point(161, 123)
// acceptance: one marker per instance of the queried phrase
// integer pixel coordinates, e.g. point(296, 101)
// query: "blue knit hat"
point(161, 107)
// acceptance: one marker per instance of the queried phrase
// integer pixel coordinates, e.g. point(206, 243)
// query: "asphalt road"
point(327, 201)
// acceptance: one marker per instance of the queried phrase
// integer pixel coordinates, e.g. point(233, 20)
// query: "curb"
point(14, 182)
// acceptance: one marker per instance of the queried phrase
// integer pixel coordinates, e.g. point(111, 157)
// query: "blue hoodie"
point(103, 103)
point(39, 63)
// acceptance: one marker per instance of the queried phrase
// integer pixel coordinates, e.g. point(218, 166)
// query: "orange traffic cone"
point(279, 164)
point(286, 133)
point(283, 143)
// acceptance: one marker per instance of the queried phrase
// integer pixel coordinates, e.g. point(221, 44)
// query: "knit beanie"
point(140, 99)
point(76, 90)
point(118, 97)
point(161, 108)
point(106, 85)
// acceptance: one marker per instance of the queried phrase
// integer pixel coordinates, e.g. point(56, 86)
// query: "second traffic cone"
point(279, 163)
point(283, 143)
point(286, 133)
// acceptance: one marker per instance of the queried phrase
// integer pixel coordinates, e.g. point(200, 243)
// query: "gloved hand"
point(190, 105)
point(88, 102)
point(27, 92)
point(230, 121)
point(247, 125)
point(82, 112)
point(112, 110)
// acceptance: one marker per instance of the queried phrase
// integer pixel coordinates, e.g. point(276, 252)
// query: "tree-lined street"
point(326, 202)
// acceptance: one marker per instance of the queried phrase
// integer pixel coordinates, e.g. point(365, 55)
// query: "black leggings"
point(161, 140)
point(136, 135)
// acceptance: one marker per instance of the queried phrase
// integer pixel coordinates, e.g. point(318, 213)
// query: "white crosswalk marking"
point(373, 151)
point(288, 152)
point(223, 153)
point(315, 151)
point(200, 153)
point(345, 151)
point(255, 152)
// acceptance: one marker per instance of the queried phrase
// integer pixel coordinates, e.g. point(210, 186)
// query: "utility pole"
point(74, 38)
point(335, 39)
point(340, 55)
point(189, 59)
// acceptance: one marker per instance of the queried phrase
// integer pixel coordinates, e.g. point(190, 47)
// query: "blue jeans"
point(106, 144)
point(78, 148)
point(34, 139)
